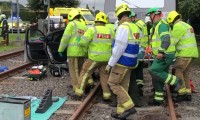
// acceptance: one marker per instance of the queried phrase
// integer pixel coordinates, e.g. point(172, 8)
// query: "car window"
point(57, 36)
point(88, 17)
point(36, 36)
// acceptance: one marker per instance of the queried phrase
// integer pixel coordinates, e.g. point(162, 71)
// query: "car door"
point(52, 45)
point(35, 46)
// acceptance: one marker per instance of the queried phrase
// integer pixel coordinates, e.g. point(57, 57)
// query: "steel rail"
point(85, 105)
point(171, 109)
point(7, 74)
point(11, 54)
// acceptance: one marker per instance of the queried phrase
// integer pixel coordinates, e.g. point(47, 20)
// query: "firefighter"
point(122, 60)
point(186, 51)
point(98, 39)
point(4, 26)
point(110, 25)
point(164, 52)
point(75, 53)
point(138, 72)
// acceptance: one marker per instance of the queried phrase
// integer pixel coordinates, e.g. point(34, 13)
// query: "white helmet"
point(147, 19)
point(3, 16)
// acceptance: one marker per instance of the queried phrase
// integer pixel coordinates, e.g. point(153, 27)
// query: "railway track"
point(12, 54)
point(14, 70)
point(82, 107)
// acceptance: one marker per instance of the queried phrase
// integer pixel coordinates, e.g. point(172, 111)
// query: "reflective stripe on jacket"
point(156, 40)
point(98, 39)
point(71, 36)
point(185, 40)
point(129, 57)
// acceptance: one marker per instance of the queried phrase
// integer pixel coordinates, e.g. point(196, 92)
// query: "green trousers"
point(159, 70)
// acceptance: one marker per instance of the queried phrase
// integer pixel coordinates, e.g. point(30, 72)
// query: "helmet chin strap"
point(152, 18)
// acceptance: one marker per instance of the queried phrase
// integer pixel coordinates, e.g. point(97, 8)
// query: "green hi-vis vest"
point(71, 36)
point(186, 45)
point(143, 35)
point(156, 40)
point(100, 48)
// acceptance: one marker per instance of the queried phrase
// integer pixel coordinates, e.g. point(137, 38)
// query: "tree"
point(189, 8)
point(39, 5)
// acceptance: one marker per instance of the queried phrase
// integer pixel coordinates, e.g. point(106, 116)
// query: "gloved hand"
point(60, 54)
point(108, 69)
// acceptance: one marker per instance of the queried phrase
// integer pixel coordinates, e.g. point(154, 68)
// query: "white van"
point(57, 21)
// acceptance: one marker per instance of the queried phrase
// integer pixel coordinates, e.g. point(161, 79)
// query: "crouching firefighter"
point(98, 39)
point(75, 53)
point(186, 51)
point(164, 53)
point(123, 59)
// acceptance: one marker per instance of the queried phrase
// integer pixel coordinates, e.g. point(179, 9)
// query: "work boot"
point(155, 102)
point(107, 101)
point(113, 102)
point(139, 103)
point(188, 98)
point(73, 95)
point(178, 85)
point(140, 86)
point(124, 115)
point(87, 89)
point(180, 98)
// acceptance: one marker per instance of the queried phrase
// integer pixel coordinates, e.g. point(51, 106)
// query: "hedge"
point(28, 15)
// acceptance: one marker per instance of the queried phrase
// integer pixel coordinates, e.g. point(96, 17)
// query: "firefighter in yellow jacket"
point(75, 53)
point(123, 59)
point(98, 39)
point(186, 51)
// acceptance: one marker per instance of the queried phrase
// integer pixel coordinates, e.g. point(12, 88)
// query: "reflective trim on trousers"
point(159, 96)
point(129, 104)
point(182, 91)
point(86, 74)
point(120, 109)
point(106, 95)
point(171, 79)
point(139, 82)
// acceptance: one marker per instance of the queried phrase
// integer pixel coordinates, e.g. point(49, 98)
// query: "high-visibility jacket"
point(156, 40)
point(71, 36)
point(4, 27)
point(129, 57)
point(98, 39)
point(185, 41)
point(143, 35)
point(111, 26)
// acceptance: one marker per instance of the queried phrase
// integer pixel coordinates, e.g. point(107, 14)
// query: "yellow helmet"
point(102, 17)
point(72, 14)
point(121, 8)
point(82, 21)
point(171, 16)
